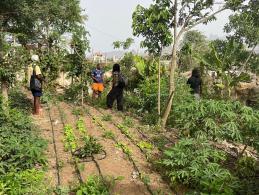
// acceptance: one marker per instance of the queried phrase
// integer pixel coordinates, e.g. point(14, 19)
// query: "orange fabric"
point(98, 87)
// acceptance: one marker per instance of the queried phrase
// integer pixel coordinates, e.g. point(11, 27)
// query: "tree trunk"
point(171, 87)
point(172, 71)
point(159, 89)
point(4, 90)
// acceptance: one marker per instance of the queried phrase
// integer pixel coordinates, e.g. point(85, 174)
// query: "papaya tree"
point(225, 57)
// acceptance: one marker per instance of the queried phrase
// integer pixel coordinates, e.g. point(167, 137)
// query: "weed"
point(109, 135)
point(91, 146)
point(107, 117)
point(127, 121)
point(125, 148)
point(77, 112)
point(93, 185)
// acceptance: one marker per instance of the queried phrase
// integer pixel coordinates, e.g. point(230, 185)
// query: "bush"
point(30, 181)
point(218, 120)
point(196, 164)
point(93, 186)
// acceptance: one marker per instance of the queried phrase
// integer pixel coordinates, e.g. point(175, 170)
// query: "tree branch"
point(204, 19)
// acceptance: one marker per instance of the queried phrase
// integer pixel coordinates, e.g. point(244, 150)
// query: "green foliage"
point(145, 145)
point(72, 94)
point(80, 125)
point(218, 120)
point(107, 117)
point(153, 24)
point(21, 150)
point(70, 138)
point(29, 181)
point(225, 58)
point(124, 148)
point(196, 164)
point(194, 44)
point(246, 167)
point(91, 147)
point(20, 147)
point(244, 24)
point(109, 135)
point(124, 44)
point(19, 101)
point(94, 186)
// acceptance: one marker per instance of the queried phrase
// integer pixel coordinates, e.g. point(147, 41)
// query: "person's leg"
point(34, 105)
point(120, 101)
point(100, 89)
point(110, 98)
point(37, 105)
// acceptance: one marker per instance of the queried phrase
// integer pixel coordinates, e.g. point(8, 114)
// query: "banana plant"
point(225, 58)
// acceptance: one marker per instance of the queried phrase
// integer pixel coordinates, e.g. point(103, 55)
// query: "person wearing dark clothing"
point(195, 83)
point(118, 84)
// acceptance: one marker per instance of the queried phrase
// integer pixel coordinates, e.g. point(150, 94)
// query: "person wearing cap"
point(34, 72)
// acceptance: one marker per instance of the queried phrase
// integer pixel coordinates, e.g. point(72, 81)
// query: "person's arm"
point(38, 74)
point(93, 77)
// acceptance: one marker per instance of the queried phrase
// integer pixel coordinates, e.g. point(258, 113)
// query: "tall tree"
point(185, 15)
point(151, 23)
point(245, 26)
point(194, 43)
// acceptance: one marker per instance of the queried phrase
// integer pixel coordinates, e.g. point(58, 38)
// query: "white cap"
point(35, 58)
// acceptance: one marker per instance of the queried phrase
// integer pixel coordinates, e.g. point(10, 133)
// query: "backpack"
point(35, 83)
point(123, 81)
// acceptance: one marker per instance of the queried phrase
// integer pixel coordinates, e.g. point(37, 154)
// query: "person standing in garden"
point(195, 83)
point(97, 76)
point(118, 85)
point(36, 80)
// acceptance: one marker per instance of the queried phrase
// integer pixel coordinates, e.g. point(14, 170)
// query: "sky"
point(111, 20)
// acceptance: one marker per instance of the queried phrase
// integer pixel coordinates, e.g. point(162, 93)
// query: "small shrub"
point(91, 147)
point(94, 186)
point(196, 164)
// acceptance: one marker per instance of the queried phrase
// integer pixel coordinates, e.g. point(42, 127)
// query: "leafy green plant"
point(77, 112)
point(30, 181)
point(145, 145)
point(91, 147)
point(125, 131)
point(109, 135)
point(218, 120)
point(94, 186)
point(127, 121)
point(70, 138)
point(124, 148)
point(246, 167)
point(196, 164)
point(107, 117)
point(81, 126)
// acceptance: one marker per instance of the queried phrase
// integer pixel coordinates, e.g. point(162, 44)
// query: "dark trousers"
point(115, 94)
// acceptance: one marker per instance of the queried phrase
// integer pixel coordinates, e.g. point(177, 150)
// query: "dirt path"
point(61, 170)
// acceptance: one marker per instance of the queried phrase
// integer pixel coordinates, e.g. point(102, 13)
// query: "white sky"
point(110, 20)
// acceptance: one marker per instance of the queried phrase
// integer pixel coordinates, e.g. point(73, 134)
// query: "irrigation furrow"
point(54, 146)
point(77, 171)
point(134, 142)
point(124, 150)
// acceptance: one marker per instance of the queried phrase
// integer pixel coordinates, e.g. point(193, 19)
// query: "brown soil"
point(66, 169)
point(115, 164)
